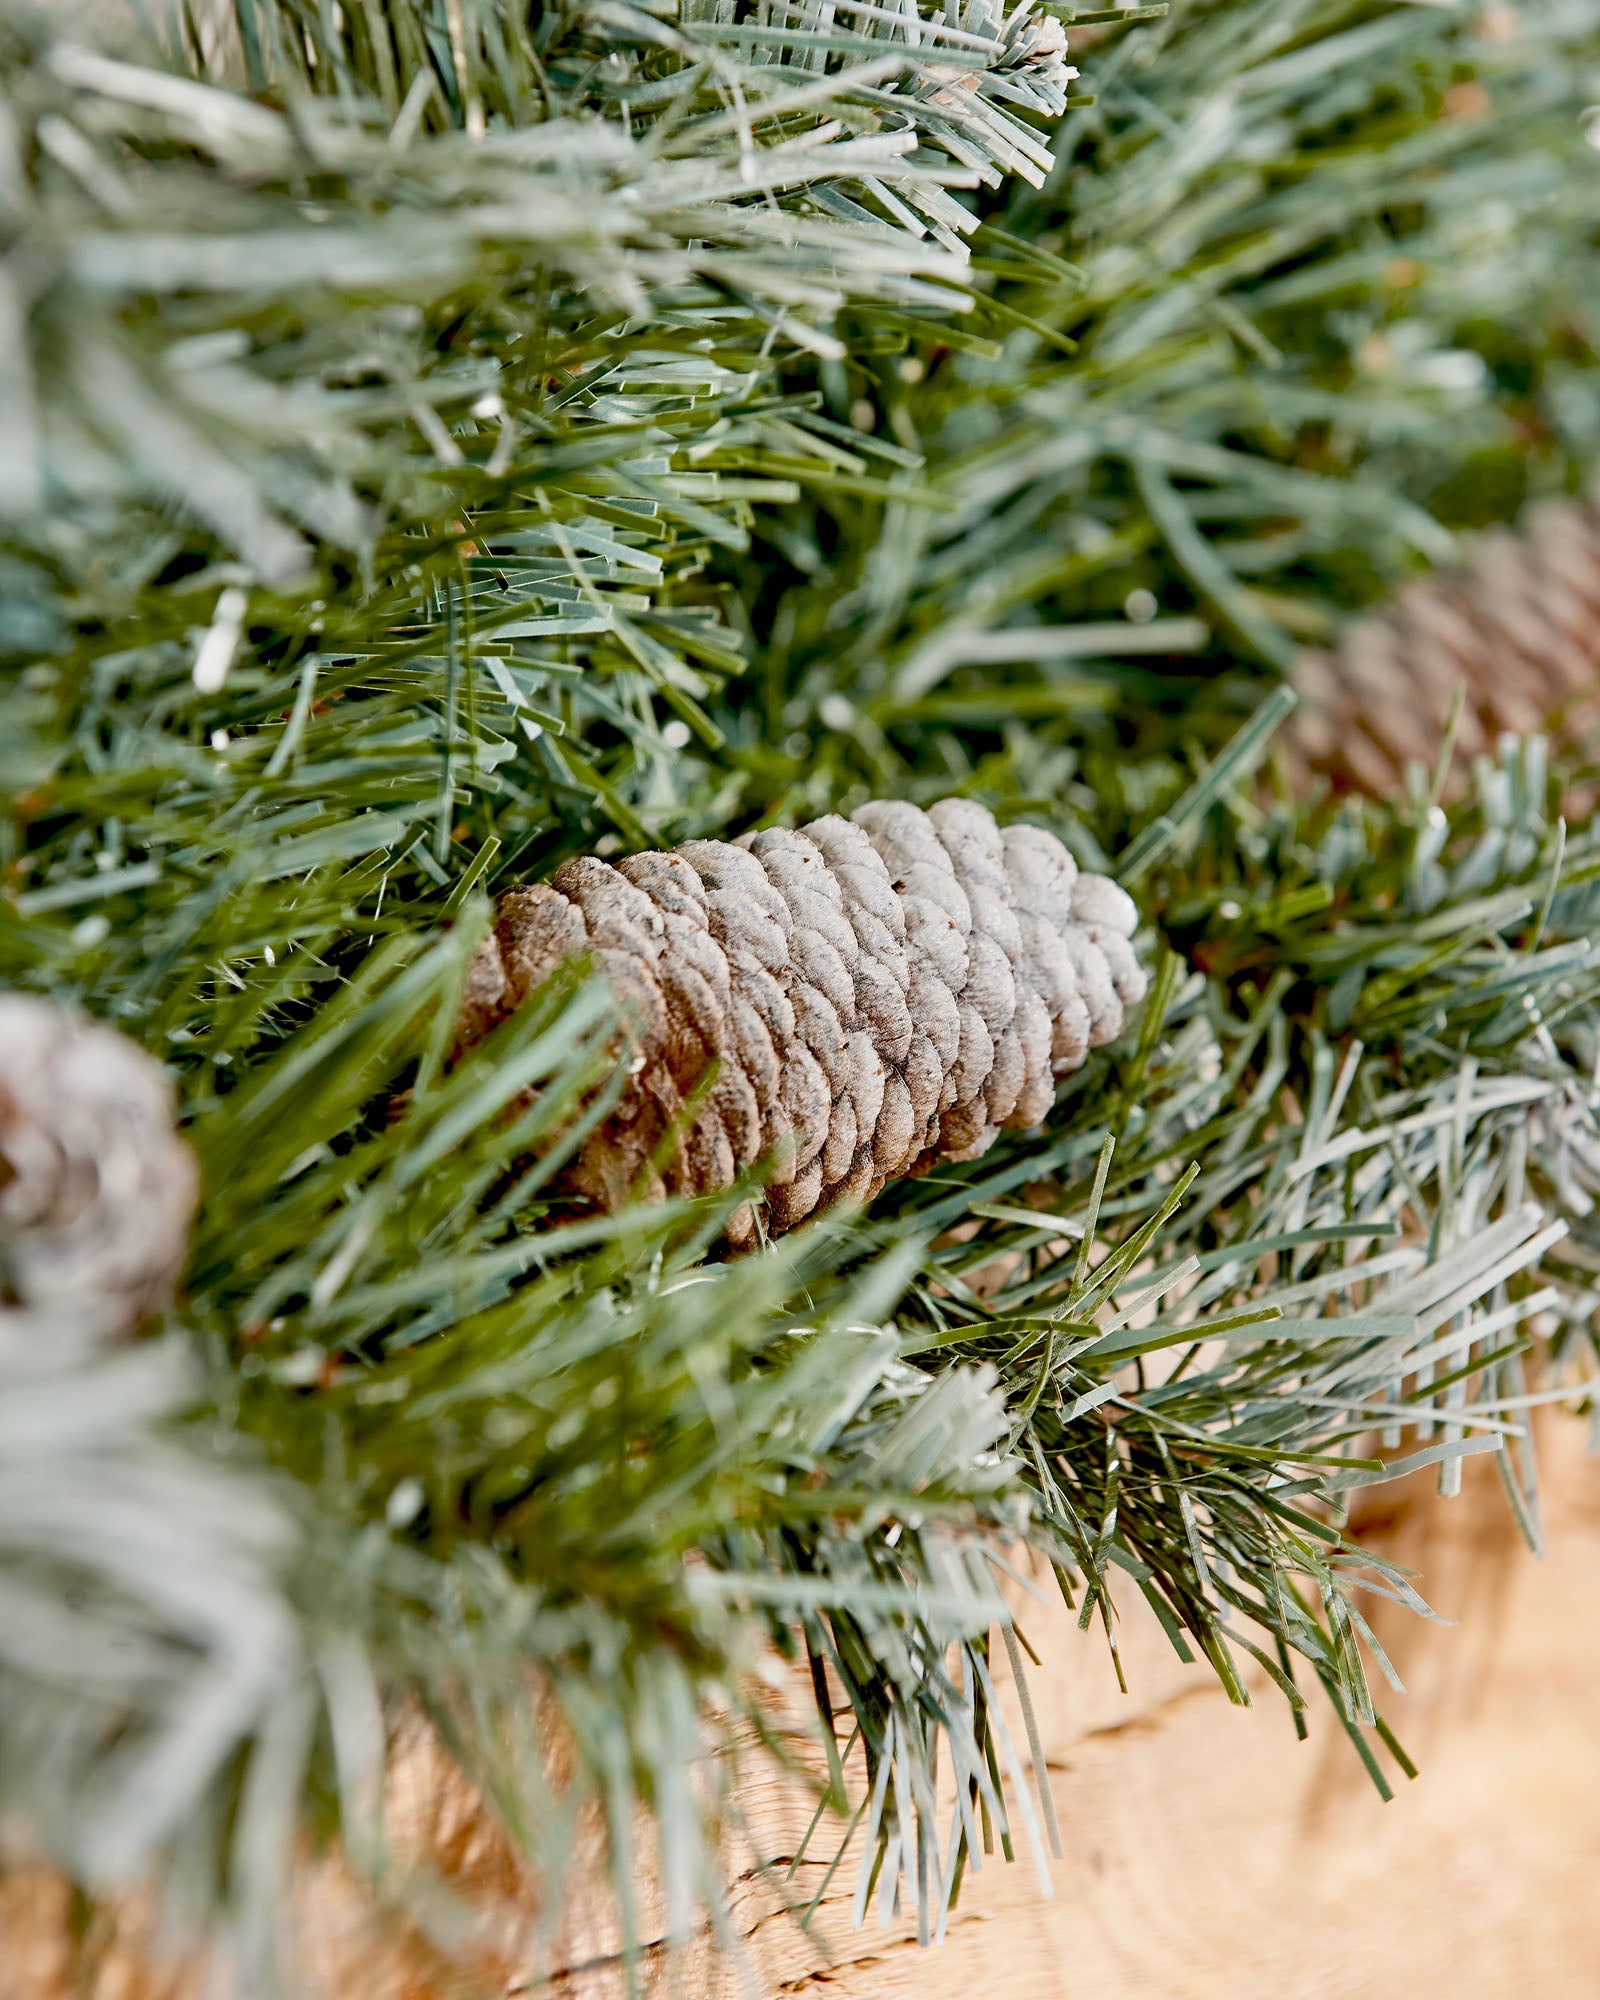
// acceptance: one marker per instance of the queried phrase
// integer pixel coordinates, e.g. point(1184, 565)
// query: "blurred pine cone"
point(97, 1190)
point(857, 1000)
point(1518, 629)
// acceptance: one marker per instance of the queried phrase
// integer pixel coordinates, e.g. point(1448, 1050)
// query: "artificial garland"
point(454, 441)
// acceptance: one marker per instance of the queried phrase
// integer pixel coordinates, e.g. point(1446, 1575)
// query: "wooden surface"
point(1208, 1854)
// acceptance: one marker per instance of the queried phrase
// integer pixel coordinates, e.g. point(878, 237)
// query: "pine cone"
point(857, 1000)
point(1518, 628)
point(97, 1190)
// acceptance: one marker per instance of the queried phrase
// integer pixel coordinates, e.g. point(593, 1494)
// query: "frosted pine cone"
point(856, 1000)
point(1518, 629)
point(97, 1190)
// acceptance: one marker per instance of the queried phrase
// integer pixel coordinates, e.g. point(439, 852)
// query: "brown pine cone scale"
point(840, 1005)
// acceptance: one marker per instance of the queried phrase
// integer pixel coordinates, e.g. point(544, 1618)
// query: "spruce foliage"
point(439, 439)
